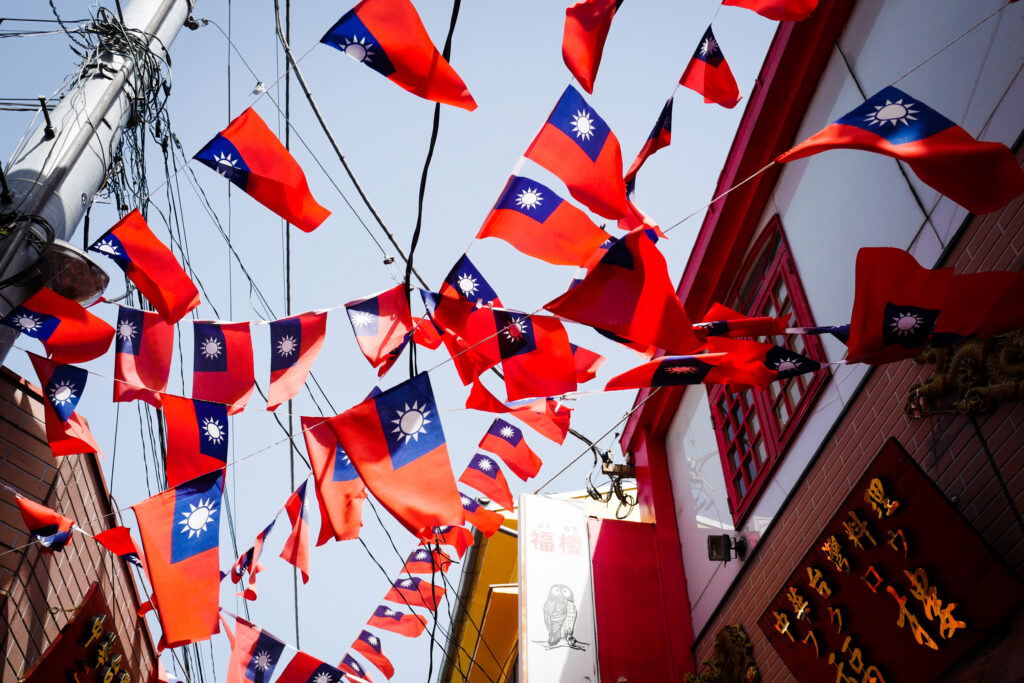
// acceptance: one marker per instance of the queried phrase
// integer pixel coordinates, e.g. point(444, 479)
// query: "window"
point(754, 427)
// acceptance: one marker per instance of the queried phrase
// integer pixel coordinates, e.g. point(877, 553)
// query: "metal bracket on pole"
point(48, 132)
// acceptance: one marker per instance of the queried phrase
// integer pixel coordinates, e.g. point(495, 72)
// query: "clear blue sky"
point(509, 54)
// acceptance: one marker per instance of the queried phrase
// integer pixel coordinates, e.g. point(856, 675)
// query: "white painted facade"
point(832, 204)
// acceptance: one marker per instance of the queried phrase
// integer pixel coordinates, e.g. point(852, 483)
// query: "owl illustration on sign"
point(560, 616)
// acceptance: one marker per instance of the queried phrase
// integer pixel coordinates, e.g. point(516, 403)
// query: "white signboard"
point(557, 634)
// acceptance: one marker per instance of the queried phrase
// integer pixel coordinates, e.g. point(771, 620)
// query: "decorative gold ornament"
point(732, 660)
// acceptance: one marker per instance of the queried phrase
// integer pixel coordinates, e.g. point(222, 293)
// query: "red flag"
point(69, 333)
point(636, 218)
point(249, 561)
point(578, 146)
point(981, 176)
point(389, 37)
point(52, 529)
point(778, 10)
point(509, 443)
point(295, 343)
point(586, 362)
point(180, 531)
point(254, 654)
point(339, 489)
point(415, 592)
point(545, 415)
point(197, 437)
point(722, 321)
point(150, 265)
point(368, 645)
point(660, 137)
point(350, 665)
point(222, 368)
point(485, 475)
point(304, 668)
point(296, 548)
point(586, 28)
point(765, 363)
point(487, 521)
point(426, 333)
point(1007, 313)
point(710, 368)
point(249, 154)
point(458, 537)
point(119, 541)
point(427, 561)
point(972, 299)
point(381, 323)
point(709, 74)
point(539, 223)
point(629, 293)
point(408, 625)
point(67, 432)
point(142, 356)
point(535, 355)
point(397, 445)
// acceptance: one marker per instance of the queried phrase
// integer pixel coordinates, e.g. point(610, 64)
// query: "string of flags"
point(392, 444)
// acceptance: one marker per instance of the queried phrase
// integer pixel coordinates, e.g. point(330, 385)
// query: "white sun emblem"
point(126, 330)
point(507, 432)
point(484, 464)
point(681, 370)
point(371, 639)
point(212, 430)
point(28, 322)
point(197, 518)
point(322, 678)
point(358, 49)
point(262, 660)
point(63, 392)
point(210, 347)
point(226, 164)
point(287, 345)
point(903, 324)
point(411, 422)
point(516, 330)
point(406, 583)
point(529, 198)
point(787, 364)
point(388, 612)
point(421, 554)
point(467, 284)
point(708, 47)
point(107, 247)
point(892, 113)
point(583, 125)
point(466, 502)
point(361, 319)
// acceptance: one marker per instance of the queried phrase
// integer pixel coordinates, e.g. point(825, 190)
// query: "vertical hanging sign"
point(557, 633)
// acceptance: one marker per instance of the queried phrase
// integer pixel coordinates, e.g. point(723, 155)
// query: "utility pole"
point(63, 165)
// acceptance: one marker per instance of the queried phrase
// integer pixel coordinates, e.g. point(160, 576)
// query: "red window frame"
point(753, 427)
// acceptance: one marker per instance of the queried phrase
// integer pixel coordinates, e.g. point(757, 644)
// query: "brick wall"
point(948, 451)
point(39, 591)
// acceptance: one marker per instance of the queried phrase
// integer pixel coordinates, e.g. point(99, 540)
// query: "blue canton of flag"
point(129, 330)
point(224, 158)
point(344, 470)
point(210, 354)
point(483, 464)
point(266, 653)
point(574, 117)
point(365, 317)
point(112, 247)
point(916, 121)
point(351, 36)
point(505, 430)
point(285, 343)
point(529, 198)
point(680, 371)
point(410, 421)
point(515, 333)
point(64, 390)
point(196, 516)
point(212, 419)
point(908, 326)
point(468, 283)
point(708, 50)
point(32, 323)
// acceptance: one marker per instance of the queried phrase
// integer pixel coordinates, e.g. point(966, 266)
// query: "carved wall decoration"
point(732, 660)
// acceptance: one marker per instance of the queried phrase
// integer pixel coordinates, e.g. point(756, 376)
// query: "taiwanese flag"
point(150, 265)
point(670, 371)
point(249, 154)
point(408, 625)
point(586, 28)
point(578, 146)
point(381, 323)
point(52, 529)
point(465, 282)
point(973, 298)
point(180, 533)
point(425, 561)
point(629, 293)
point(895, 305)
point(398, 447)
point(508, 443)
point(222, 368)
point(545, 415)
point(487, 521)
point(709, 74)
point(67, 432)
point(294, 345)
point(69, 333)
point(485, 475)
point(1006, 313)
point(636, 218)
point(535, 355)
point(254, 654)
point(389, 37)
point(661, 136)
point(120, 542)
point(142, 356)
point(586, 362)
point(722, 321)
point(339, 489)
point(368, 645)
point(756, 357)
point(304, 668)
point(458, 537)
point(349, 665)
point(415, 592)
point(296, 548)
point(539, 223)
point(426, 333)
point(778, 10)
point(249, 561)
point(981, 176)
point(197, 437)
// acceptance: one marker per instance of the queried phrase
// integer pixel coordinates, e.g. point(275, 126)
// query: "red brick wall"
point(39, 592)
point(946, 448)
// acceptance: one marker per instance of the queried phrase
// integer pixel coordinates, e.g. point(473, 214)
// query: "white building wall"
point(834, 203)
